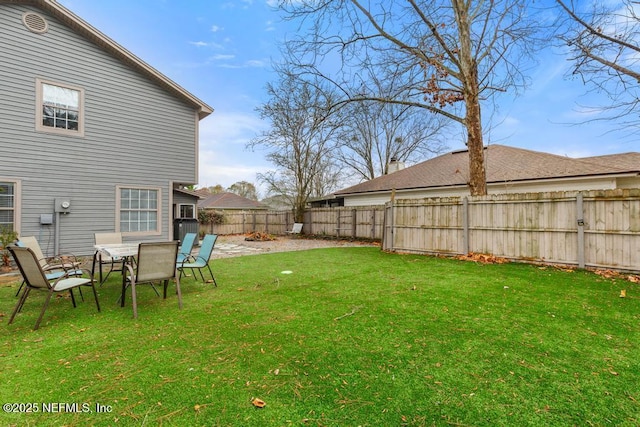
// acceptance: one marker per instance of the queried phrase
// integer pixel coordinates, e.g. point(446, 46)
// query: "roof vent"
point(34, 22)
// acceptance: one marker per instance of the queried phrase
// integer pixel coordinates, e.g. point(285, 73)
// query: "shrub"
point(7, 236)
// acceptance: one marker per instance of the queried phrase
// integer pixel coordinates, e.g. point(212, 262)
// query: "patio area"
point(236, 245)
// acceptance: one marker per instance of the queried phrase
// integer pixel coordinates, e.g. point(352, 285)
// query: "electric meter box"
point(46, 219)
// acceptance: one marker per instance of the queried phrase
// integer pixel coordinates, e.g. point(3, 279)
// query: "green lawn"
point(352, 337)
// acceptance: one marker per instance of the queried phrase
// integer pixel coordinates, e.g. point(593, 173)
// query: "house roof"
point(76, 23)
point(229, 201)
point(503, 164)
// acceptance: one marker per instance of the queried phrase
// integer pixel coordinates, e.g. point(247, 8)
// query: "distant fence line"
point(345, 222)
point(586, 229)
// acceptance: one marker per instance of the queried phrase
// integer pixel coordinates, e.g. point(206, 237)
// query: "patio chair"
point(55, 266)
point(36, 279)
point(296, 229)
point(201, 260)
point(56, 262)
point(187, 246)
point(102, 259)
point(156, 263)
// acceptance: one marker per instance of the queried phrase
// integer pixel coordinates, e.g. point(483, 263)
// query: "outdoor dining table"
point(124, 251)
point(118, 250)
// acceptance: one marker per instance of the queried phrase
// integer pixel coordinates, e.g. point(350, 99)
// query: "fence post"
point(373, 224)
point(385, 221)
point(392, 219)
point(354, 219)
point(465, 225)
point(580, 221)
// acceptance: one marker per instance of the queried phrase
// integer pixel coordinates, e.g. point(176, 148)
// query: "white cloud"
point(224, 158)
point(256, 63)
point(222, 57)
point(230, 128)
point(215, 170)
point(269, 26)
point(215, 28)
point(206, 44)
point(251, 63)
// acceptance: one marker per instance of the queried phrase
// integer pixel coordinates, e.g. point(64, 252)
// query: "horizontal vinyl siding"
point(136, 134)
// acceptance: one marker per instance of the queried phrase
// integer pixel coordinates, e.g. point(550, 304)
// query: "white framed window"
point(9, 204)
point(59, 108)
point(139, 210)
point(186, 210)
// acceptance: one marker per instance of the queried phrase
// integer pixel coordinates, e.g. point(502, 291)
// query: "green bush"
point(211, 217)
point(7, 236)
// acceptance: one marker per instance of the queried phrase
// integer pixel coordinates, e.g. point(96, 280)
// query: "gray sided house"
point(92, 139)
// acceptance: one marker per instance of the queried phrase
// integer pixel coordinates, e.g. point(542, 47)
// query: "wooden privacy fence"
point(343, 222)
point(587, 229)
point(274, 222)
point(358, 222)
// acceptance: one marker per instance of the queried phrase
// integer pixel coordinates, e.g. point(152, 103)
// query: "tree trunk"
point(298, 213)
point(473, 120)
point(477, 173)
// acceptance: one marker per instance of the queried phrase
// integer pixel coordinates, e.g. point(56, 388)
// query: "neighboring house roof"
point(229, 201)
point(89, 32)
point(502, 164)
point(203, 193)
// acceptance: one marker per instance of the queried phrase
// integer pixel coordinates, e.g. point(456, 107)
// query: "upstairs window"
point(59, 108)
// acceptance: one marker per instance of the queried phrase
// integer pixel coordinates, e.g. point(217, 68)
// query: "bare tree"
point(214, 189)
point(300, 140)
point(328, 178)
point(373, 134)
point(604, 44)
point(449, 55)
point(244, 189)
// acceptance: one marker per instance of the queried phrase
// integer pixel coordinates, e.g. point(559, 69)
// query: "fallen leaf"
point(482, 258)
point(258, 403)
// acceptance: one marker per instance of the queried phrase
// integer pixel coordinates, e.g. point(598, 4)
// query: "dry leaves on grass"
point(259, 237)
point(612, 274)
point(482, 258)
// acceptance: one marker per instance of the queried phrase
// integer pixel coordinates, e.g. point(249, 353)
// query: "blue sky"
point(222, 50)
